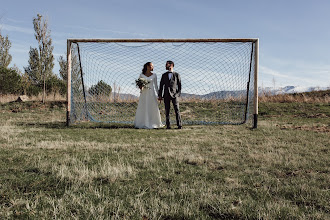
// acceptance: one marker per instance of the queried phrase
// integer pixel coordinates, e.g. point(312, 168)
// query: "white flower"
point(141, 83)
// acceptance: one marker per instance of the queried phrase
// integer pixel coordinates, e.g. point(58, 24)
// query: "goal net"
point(218, 78)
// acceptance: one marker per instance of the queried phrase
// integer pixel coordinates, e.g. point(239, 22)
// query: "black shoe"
point(168, 127)
point(179, 127)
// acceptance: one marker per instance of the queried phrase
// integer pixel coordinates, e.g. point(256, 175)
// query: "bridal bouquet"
point(141, 83)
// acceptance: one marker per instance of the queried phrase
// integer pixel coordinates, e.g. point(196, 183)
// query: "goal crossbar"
point(76, 40)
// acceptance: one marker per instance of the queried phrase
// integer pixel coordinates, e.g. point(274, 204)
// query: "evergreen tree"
point(56, 85)
point(63, 67)
point(10, 81)
point(75, 67)
point(101, 88)
point(75, 70)
point(34, 70)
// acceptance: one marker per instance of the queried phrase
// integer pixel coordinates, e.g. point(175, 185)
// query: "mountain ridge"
point(290, 90)
point(237, 93)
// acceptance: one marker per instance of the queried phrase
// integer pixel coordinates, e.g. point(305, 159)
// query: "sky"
point(294, 35)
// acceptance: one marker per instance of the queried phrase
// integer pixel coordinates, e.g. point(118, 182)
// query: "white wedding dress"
point(147, 113)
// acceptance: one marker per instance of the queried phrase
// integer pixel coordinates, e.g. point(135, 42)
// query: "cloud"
point(59, 42)
point(15, 20)
point(272, 72)
point(105, 30)
point(13, 28)
point(304, 78)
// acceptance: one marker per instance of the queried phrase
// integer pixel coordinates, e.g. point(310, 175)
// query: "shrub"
point(55, 85)
point(10, 81)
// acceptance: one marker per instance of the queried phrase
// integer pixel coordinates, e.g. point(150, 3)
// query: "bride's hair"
point(144, 70)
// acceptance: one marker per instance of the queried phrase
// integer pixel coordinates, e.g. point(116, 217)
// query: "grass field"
point(279, 171)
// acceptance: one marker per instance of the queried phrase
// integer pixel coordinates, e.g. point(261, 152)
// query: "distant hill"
point(261, 91)
point(215, 95)
point(238, 93)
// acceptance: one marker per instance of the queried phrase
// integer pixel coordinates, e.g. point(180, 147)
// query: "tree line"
point(38, 76)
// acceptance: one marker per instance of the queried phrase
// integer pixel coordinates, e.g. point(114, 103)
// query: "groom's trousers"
point(167, 102)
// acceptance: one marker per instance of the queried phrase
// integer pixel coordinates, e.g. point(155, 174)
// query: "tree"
point(41, 61)
point(63, 67)
point(76, 75)
point(26, 84)
point(5, 57)
point(75, 67)
point(10, 81)
point(34, 70)
point(101, 88)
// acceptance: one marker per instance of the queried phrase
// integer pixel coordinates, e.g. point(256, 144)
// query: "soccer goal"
point(219, 78)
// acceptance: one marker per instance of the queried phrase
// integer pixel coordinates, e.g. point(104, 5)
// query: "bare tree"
point(5, 57)
point(1, 23)
point(41, 62)
point(5, 44)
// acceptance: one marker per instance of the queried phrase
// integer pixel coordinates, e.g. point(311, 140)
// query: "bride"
point(147, 113)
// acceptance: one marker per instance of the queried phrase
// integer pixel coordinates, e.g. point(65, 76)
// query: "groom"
point(170, 90)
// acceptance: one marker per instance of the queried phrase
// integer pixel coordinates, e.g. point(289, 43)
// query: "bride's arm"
point(155, 83)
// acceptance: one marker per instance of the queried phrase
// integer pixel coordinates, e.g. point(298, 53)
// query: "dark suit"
point(170, 90)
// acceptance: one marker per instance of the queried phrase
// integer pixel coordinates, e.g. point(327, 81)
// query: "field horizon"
point(110, 171)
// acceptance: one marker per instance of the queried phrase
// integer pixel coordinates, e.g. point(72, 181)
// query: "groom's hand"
point(160, 99)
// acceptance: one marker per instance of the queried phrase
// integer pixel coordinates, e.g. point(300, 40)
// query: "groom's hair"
point(170, 62)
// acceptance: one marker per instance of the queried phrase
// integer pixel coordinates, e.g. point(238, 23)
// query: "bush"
point(10, 81)
point(33, 90)
point(55, 85)
point(101, 88)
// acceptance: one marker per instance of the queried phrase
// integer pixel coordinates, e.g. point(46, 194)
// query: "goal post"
point(255, 87)
point(68, 82)
point(219, 78)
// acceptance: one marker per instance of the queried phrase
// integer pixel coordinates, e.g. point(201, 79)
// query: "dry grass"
point(8, 98)
point(309, 97)
point(212, 99)
point(51, 97)
point(77, 170)
point(277, 171)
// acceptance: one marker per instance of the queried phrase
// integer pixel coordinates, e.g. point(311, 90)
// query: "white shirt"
point(170, 75)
